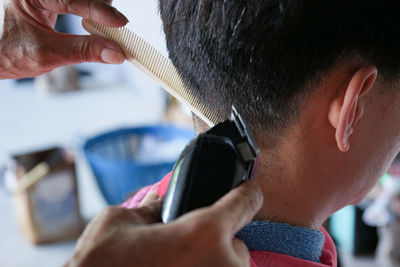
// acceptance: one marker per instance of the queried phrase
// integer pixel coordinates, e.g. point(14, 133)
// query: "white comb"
point(153, 64)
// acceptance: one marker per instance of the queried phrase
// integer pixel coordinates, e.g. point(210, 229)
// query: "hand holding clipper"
point(210, 166)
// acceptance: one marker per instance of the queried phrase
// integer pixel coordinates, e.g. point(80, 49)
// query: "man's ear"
point(346, 110)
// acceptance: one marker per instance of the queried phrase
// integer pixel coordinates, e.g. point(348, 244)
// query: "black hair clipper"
point(210, 166)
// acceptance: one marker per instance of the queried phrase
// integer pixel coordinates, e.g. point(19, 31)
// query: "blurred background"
point(92, 129)
point(83, 137)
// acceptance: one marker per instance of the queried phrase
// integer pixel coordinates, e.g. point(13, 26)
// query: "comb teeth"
point(156, 66)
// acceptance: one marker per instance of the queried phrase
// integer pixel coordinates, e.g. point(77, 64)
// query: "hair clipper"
point(210, 166)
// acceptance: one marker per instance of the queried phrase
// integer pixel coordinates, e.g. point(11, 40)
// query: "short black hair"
point(262, 55)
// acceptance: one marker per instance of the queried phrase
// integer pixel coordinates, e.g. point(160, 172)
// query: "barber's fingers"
point(148, 213)
point(98, 10)
point(242, 252)
point(73, 49)
point(236, 209)
point(230, 213)
point(150, 198)
point(115, 216)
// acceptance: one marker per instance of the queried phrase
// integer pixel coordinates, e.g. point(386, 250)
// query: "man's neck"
point(293, 190)
point(294, 182)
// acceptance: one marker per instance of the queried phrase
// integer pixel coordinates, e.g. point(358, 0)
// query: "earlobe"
point(334, 111)
point(347, 109)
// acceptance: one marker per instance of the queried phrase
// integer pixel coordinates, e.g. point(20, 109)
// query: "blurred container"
point(46, 195)
point(127, 159)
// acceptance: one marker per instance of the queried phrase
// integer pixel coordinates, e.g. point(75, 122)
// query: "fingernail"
point(121, 16)
point(112, 56)
point(153, 196)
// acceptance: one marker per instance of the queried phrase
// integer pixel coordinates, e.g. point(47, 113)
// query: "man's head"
point(263, 56)
point(317, 72)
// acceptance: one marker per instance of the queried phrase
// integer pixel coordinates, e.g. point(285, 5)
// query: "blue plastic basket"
point(117, 171)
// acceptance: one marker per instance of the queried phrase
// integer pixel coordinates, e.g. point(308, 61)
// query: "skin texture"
point(30, 46)
point(338, 148)
point(122, 237)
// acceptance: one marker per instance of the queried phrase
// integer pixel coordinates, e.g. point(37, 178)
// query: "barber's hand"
point(30, 46)
point(122, 237)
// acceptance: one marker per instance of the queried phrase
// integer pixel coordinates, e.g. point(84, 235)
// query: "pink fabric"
point(258, 258)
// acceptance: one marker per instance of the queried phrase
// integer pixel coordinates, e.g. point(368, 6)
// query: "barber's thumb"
point(81, 49)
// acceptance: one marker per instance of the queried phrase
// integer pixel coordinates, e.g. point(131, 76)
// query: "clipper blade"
point(150, 61)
